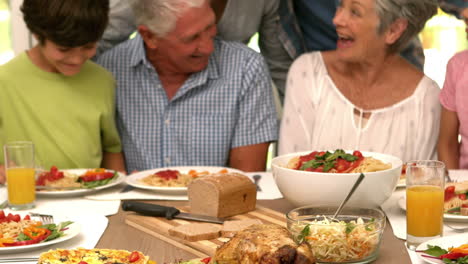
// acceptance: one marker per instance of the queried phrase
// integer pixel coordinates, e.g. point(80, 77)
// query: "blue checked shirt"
point(227, 105)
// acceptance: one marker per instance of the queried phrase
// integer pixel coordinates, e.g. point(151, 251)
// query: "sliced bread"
point(196, 231)
point(230, 228)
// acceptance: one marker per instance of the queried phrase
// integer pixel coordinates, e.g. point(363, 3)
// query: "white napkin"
point(92, 228)
point(267, 184)
point(70, 206)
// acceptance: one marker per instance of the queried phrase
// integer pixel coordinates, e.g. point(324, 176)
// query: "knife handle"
point(150, 209)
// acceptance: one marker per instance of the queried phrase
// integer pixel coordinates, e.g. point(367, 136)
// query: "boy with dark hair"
point(54, 96)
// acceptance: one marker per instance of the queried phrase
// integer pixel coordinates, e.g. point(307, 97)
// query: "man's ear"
point(395, 30)
point(149, 37)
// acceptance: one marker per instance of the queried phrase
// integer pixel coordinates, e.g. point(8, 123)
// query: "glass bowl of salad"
point(353, 237)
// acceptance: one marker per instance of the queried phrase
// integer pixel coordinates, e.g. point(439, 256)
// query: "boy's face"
point(66, 60)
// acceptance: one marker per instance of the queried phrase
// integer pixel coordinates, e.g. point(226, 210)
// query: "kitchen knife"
point(167, 212)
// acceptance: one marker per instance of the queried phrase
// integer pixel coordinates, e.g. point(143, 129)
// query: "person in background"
point(237, 20)
point(364, 95)
point(185, 97)
point(54, 96)
point(307, 26)
point(454, 117)
point(454, 7)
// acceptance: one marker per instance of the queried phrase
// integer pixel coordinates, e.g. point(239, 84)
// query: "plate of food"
point(96, 255)
point(72, 182)
point(22, 232)
point(173, 180)
point(455, 202)
point(449, 249)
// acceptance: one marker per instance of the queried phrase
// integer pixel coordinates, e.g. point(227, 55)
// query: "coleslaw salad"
point(333, 240)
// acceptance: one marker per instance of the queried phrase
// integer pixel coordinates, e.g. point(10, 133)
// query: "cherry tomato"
point(2, 214)
point(357, 153)
point(462, 196)
point(27, 217)
point(342, 165)
point(16, 218)
point(449, 193)
point(134, 256)
point(206, 260)
point(82, 262)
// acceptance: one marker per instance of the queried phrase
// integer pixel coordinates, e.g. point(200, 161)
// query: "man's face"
point(65, 60)
point(188, 47)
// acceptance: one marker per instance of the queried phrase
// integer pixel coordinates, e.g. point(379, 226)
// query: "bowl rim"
point(274, 164)
point(382, 217)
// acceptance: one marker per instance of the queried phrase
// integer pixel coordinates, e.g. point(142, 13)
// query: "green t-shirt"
point(70, 119)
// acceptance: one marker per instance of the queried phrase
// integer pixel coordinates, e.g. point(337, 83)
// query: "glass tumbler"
point(20, 174)
point(424, 201)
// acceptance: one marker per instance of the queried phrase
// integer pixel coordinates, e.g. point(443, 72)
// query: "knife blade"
point(127, 189)
point(167, 212)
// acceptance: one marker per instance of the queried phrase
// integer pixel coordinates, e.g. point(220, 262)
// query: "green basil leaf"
point(435, 251)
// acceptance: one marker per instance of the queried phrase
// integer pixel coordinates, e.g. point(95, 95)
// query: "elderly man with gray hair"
point(185, 97)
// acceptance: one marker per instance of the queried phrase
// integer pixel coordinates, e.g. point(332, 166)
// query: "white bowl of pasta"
point(324, 178)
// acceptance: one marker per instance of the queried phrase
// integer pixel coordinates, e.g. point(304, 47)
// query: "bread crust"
point(222, 195)
point(196, 231)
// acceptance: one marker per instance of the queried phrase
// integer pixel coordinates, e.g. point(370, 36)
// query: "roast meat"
point(263, 244)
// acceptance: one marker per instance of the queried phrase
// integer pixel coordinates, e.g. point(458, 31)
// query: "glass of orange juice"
point(20, 174)
point(424, 201)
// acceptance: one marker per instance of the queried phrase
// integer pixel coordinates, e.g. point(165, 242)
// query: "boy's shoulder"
point(16, 67)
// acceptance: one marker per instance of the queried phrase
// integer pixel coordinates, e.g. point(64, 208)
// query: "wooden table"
point(122, 236)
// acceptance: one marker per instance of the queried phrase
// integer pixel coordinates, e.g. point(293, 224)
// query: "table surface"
point(122, 236)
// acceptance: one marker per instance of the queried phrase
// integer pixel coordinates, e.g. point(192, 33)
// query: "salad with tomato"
point(90, 179)
point(21, 231)
point(455, 198)
point(454, 255)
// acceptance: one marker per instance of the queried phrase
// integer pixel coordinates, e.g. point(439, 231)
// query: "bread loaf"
point(195, 231)
point(222, 195)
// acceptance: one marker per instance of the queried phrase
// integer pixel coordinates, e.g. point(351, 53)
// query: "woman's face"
point(356, 23)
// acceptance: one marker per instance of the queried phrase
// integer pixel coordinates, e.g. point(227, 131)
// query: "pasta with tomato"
point(337, 162)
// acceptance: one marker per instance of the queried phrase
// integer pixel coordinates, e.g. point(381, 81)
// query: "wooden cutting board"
point(159, 226)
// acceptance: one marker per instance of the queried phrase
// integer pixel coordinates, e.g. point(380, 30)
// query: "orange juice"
point(424, 203)
point(21, 185)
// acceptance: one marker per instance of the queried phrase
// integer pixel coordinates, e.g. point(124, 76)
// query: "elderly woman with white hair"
point(363, 95)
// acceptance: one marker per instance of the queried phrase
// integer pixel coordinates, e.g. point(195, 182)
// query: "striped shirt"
point(227, 105)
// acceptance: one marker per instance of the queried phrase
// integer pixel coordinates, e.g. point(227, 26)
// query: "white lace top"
point(317, 116)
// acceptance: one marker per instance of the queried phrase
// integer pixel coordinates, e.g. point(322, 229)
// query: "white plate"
point(64, 193)
point(73, 230)
point(443, 242)
point(134, 179)
point(451, 217)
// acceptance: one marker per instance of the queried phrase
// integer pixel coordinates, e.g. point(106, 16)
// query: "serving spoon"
point(356, 184)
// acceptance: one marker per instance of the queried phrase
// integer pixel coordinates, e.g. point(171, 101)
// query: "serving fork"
point(45, 218)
